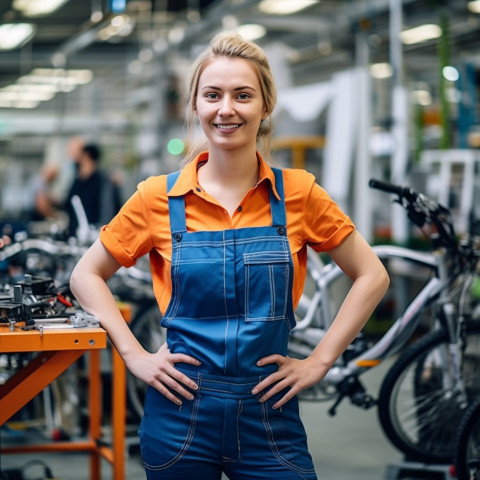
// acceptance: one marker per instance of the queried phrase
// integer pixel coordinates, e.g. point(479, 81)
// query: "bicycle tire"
point(418, 411)
point(151, 335)
point(467, 442)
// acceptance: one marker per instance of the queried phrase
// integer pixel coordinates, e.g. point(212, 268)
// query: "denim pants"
point(224, 428)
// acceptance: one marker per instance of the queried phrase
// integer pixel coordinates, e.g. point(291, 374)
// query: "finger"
point(178, 388)
point(166, 392)
point(183, 379)
point(287, 397)
point(278, 359)
point(183, 358)
point(266, 382)
point(277, 388)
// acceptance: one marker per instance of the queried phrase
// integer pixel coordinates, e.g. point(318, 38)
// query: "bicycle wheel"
point(151, 335)
point(419, 406)
point(467, 442)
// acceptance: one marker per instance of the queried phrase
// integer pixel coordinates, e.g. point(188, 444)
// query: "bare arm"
point(88, 284)
point(370, 282)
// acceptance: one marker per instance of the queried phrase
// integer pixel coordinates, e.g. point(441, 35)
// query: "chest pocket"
point(267, 280)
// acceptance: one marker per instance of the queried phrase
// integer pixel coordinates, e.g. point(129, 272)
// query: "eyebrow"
point(213, 87)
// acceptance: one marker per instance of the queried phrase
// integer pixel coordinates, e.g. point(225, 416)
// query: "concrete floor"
point(349, 446)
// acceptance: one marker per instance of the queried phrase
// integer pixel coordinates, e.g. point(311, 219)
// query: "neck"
point(228, 178)
point(232, 167)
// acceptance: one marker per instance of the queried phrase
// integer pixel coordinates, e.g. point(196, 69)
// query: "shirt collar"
point(187, 180)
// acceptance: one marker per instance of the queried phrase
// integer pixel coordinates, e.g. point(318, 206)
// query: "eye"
point(243, 96)
point(211, 96)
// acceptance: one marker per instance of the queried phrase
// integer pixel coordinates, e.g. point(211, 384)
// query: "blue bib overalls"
point(231, 305)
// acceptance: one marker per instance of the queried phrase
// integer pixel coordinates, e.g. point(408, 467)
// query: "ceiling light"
point(37, 8)
point(419, 34)
point(284, 7)
point(381, 70)
point(55, 76)
point(29, 95)
point(41, 85)
point(474, 6)
point(251, 31)
point(18, 104)
point(14, 35)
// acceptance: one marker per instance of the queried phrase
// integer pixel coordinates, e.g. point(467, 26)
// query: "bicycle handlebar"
point(422, 209)
point(402, 192)
point(385, 186)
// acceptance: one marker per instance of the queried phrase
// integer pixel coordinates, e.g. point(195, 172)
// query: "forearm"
point(92, 292)
point(362, 299)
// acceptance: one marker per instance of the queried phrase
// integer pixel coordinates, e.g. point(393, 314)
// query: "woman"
point(227, 238)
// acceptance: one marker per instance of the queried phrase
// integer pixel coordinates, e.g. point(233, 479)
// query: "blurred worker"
point(99, 195)
point(41, 204)
point(4, 240)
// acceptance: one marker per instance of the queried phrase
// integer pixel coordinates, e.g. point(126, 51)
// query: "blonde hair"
point(233, 46)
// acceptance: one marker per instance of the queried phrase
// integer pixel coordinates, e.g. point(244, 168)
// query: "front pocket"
point(166, 430)
point(267, 280)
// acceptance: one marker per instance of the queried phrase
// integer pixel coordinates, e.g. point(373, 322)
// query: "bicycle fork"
point(453, 378)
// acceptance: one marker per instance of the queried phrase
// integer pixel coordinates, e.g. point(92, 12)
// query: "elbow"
point(383, 279)
point(74, 280)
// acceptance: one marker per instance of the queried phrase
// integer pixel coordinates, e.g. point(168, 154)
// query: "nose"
point(226, 107)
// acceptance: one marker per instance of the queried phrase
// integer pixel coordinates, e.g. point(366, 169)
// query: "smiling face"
point(229, 103)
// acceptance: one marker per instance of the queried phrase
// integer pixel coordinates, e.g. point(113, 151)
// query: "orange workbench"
point(57, 350)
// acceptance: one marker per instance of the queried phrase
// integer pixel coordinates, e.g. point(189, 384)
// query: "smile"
point(227, 127)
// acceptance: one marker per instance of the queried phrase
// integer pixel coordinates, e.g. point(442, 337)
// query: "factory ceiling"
point(110, 37)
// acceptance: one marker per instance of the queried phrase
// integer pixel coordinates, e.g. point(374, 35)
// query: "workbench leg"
point(95, 407)
point(118, 415)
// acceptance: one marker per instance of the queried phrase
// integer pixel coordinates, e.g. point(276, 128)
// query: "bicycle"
point(445, 298)
point(467, 441)
point(425, 393)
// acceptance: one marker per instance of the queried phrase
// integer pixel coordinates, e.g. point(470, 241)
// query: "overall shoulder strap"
point(279, 217)
point(176, 207)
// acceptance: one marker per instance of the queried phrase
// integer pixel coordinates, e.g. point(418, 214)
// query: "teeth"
point(227, 127)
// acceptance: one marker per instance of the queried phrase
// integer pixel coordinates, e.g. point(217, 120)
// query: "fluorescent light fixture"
point(251, 31)
point(18, 104)
point(58, 75)
point(37, 8)
point(41, 85)
point(381, 70)
point(14, 35)
point(29, 95)
point(284, 7)
point(474, 6)
point(423, 33)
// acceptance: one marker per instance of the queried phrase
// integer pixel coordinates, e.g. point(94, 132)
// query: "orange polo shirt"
point(142, 226)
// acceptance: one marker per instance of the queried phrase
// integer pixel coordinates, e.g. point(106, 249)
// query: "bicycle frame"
point(395, 337)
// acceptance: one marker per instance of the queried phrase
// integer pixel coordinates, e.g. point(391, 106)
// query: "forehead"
point(229, 71)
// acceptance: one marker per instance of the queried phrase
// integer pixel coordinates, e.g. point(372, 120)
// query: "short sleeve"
point(325, 225)
point(128, 237)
